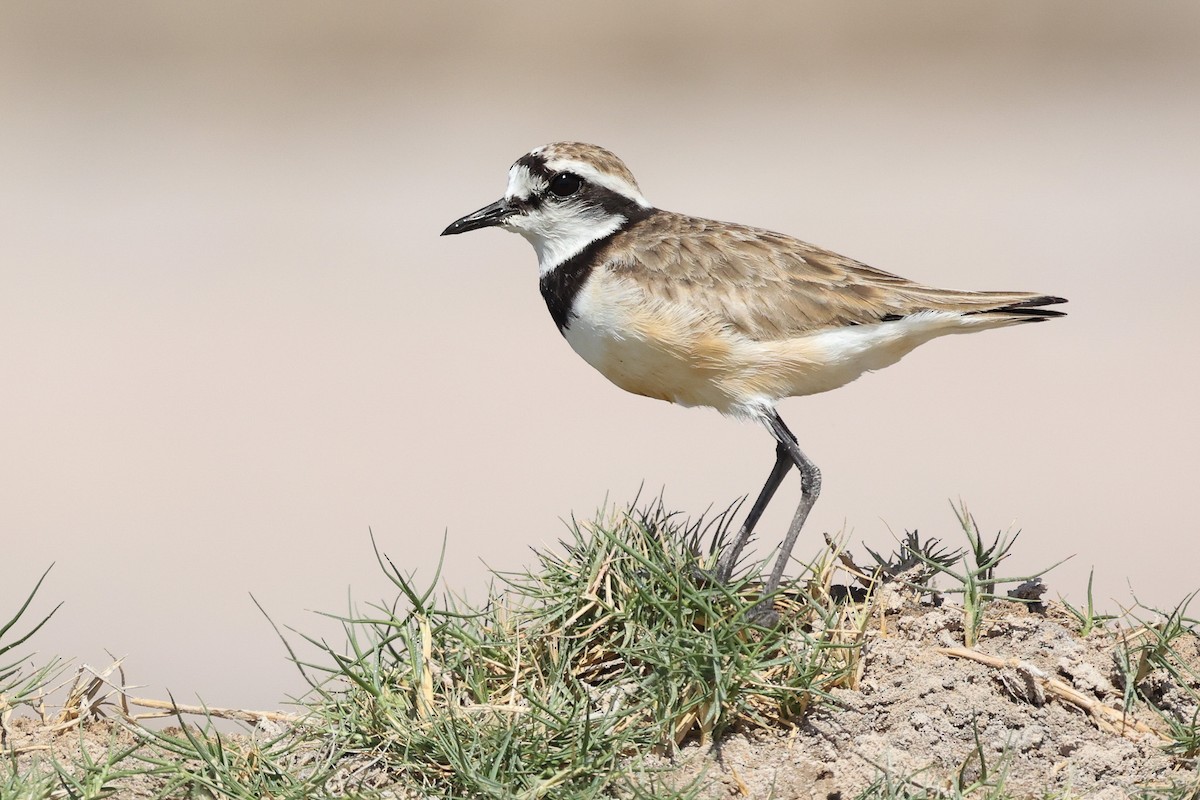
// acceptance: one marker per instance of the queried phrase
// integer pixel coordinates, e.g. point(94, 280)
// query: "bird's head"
point(562, 197)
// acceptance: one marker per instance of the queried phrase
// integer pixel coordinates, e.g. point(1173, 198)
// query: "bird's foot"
point(716, 576)
point(763, 615)
point(709, 577)
point(704, 577)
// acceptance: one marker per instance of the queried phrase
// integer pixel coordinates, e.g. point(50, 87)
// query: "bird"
point(704, 313)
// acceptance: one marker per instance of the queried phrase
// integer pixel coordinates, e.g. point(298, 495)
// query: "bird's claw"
point(763, 615)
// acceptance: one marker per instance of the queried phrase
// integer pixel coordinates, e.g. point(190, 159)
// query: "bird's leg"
point(810, 488)
point(729, 557)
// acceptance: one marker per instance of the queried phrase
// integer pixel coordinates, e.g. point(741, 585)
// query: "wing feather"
point(768, 286)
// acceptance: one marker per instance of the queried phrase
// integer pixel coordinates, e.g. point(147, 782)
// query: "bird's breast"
point(648, 348)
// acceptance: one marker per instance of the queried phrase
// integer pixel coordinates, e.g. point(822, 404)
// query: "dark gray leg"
point(729, 557)
point(810, 488)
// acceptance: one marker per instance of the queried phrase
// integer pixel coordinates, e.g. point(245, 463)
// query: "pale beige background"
point(231, 339)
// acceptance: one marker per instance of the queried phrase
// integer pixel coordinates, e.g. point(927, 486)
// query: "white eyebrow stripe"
point(593, 175)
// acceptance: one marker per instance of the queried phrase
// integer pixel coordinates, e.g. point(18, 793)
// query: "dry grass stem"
point(171, 708)
point(1109, 719)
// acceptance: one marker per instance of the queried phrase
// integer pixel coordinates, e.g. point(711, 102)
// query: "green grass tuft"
point(612, 645)
point(17, 686)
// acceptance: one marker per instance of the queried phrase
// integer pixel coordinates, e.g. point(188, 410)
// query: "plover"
point(705, 313)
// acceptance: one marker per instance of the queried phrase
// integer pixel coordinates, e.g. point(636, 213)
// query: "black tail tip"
point(1033, 308)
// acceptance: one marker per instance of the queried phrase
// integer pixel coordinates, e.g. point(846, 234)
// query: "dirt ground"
point(924, 714)
point(1043, 715)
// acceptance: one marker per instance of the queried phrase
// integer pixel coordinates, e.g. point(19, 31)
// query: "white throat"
point(557, 236)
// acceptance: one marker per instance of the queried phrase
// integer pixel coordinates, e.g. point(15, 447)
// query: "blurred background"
point(232, 342)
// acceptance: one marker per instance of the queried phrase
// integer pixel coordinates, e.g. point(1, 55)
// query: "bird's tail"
point(987, 309)
point(1016, 308)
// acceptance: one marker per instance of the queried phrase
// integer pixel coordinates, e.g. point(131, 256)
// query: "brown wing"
point(770, 286)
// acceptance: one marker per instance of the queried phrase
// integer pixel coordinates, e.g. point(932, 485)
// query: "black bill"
point(485, 217)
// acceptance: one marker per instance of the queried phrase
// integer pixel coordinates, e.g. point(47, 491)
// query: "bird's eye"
point(565, 184)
